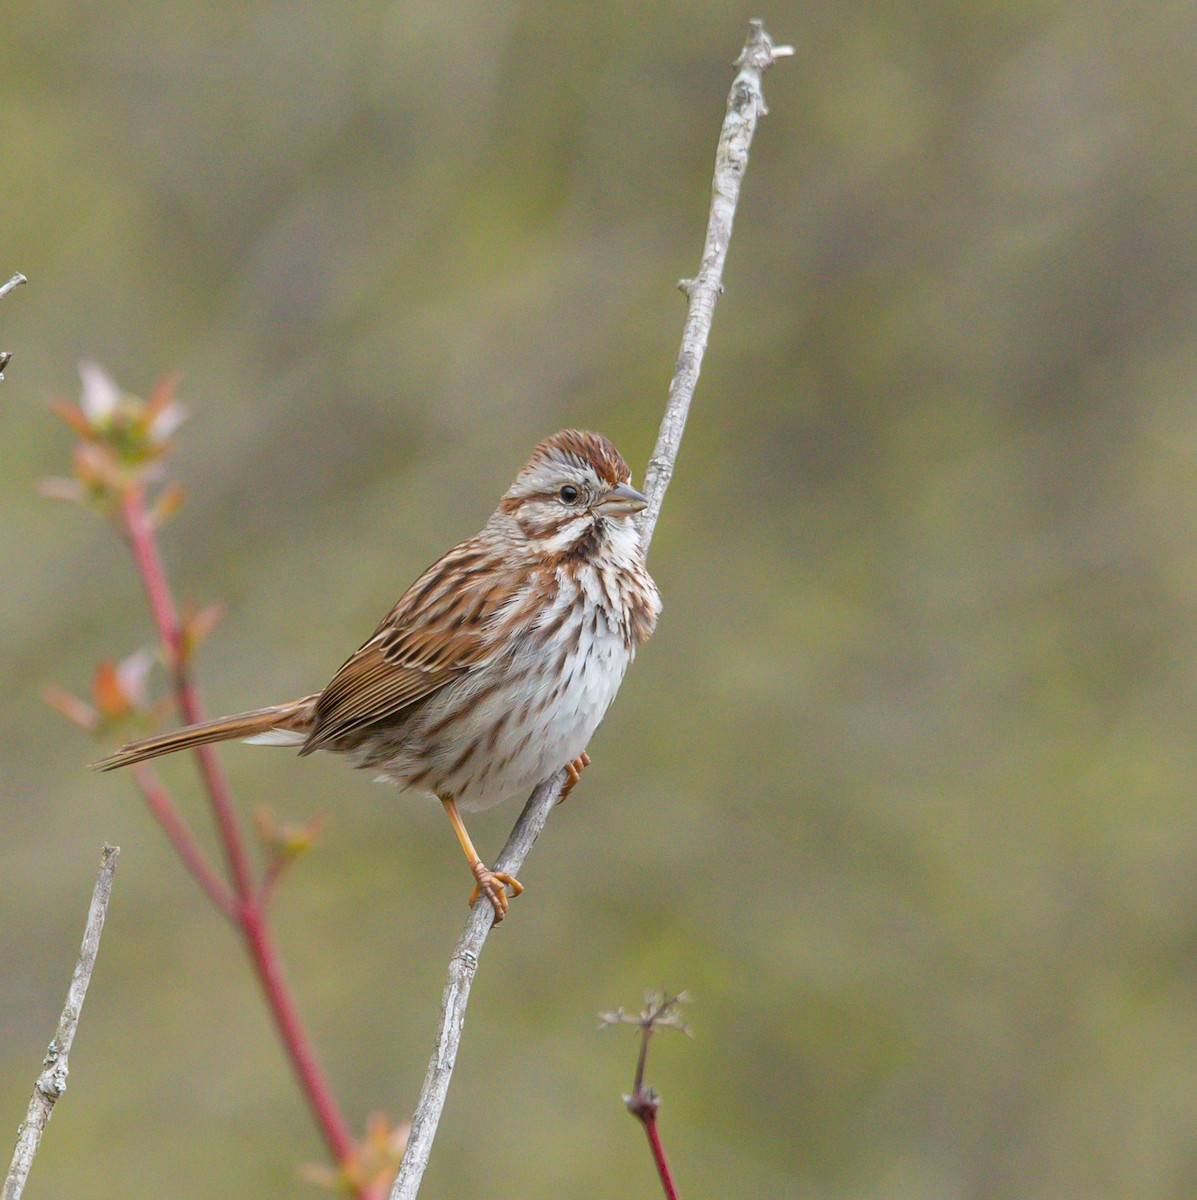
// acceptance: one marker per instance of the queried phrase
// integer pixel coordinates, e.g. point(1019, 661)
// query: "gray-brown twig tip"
point(14, 282)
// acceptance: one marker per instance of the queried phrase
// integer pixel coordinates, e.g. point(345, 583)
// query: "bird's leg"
point(573, 773)
point(490, 883)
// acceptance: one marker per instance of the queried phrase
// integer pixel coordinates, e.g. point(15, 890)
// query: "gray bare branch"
point(745, 105)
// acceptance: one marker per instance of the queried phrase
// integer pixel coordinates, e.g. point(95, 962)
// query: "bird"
point(491, 673)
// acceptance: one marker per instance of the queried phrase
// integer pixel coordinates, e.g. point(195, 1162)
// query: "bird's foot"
point(573, 772)
point(492, 885)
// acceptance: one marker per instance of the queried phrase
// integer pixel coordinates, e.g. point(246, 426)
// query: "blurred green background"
point(902, 789)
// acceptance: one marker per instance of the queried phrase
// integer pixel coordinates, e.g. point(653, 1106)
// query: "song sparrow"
point(495, 667)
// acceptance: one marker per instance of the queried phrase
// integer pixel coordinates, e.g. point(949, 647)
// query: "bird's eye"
point(569, 493)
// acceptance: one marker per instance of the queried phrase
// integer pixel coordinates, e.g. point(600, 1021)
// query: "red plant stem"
point(166, 617)
point(246, 906)
point(643, 1104)
point(264, 954)
point(186, 847)
point(658, 1152)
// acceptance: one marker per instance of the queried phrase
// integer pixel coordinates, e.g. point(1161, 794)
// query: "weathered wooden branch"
point(745, 105)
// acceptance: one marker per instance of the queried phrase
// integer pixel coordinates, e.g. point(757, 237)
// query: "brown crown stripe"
point(584, 449)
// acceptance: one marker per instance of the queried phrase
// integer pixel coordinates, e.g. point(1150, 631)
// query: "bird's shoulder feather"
point(443, 625)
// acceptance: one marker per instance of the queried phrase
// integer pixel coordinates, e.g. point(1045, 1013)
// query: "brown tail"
point(281, 718)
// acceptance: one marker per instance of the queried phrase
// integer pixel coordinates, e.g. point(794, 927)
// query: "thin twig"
point(51, 1083)
point(160, 803)
point(14, 283)
point(745, 104)
point(660, 1011)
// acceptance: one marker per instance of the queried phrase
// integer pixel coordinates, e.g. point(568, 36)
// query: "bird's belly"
point(536, 713)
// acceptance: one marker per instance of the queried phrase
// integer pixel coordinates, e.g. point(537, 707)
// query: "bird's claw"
point(573, 772)
point(492, 885)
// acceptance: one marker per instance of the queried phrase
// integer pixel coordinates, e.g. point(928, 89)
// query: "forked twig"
point(51, 1083)
point(745, 104)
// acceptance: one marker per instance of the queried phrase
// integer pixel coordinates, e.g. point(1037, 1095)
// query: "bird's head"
point(572, 491)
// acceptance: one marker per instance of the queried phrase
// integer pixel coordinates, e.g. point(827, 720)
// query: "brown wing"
point(439, 628)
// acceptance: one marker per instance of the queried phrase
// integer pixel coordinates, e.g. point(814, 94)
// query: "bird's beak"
point(621, 501)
